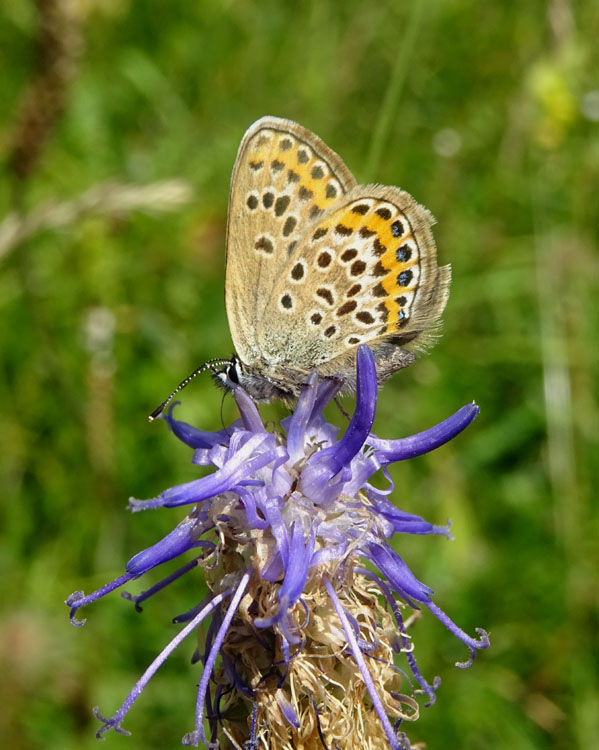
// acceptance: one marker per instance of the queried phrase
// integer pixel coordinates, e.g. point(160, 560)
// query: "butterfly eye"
point(232, 375)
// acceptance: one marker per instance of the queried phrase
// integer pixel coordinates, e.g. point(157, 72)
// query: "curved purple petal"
point(297, 565)
point(296, 429)
point(250, 504)
point(272, 511)
point(236, 471)
point(327, 390)
point(363, 466)
point(189, 435)
point(178, 541)
point(327, 463)
point(250, 416)
point(404, 522)
point(397, 572)
point(389, 451)
point(273, 568)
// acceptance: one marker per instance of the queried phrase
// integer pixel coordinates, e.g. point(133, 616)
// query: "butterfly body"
point(317, 265)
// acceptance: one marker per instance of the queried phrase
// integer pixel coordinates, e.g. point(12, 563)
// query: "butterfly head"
point(261, 387)
point(228, 374)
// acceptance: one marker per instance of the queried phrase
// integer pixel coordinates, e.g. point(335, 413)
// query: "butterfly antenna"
point(210, 365)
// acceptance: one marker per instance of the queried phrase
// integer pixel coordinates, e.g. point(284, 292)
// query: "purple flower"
point(307, 597)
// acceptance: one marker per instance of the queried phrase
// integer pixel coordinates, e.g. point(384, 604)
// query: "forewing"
point(365, 273)
point(284, 178)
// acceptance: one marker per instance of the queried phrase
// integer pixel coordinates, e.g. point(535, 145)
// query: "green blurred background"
point(111, 289)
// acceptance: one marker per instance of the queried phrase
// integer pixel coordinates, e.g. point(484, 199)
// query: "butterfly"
point(317, 265)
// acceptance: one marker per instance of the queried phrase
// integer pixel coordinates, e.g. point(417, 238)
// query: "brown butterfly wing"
point(284, 178)
point(365, 273)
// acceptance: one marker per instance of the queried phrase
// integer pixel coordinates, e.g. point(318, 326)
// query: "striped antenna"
point(210, 365)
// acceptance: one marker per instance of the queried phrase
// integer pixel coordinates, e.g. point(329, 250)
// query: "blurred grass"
point(490, 120)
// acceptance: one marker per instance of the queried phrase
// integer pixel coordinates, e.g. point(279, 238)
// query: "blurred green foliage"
point(487, 113)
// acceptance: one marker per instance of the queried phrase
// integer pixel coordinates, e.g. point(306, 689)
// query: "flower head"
point(307, 597)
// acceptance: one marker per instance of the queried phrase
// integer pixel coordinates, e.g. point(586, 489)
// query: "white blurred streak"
point(106, 199)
